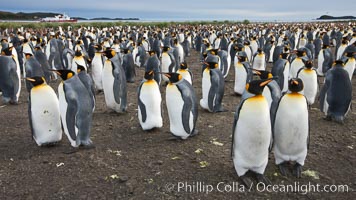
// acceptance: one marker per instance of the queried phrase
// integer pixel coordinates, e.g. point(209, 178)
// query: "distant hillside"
point(4, 15)
point(25, 16)
point(328, 17)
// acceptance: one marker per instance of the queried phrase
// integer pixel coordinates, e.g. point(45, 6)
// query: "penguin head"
point(308, 64)
point(295, 85)
point(80, 68)
point(78, 53)
point(37, 80)
point(284, 55)
point(165, 48)
point(183, 65)
point(300, 53)
point(173, 77)
point(64, 73)
point(151, 53)
point(6, 49)
point(214, 51)
point(338, 63)
point(28, 55)
point(263, 74)
point(256, 86)
point(212, 61)
point(149, 75)
point(349, 54)
point(259, 50)
point(109, 53)
point(98, 48)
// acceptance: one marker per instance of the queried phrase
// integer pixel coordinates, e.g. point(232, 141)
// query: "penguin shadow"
point(72, 150)
point(287, 169)
point(250, 177)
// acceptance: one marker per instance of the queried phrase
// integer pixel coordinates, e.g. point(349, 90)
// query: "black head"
point(78, 53)
point(308, 64)
point(173, 77)
point(263, 74)
point(98, 48)
point(64, 73)
point(7, 51)
point(284, 55)
point(151, 53)
point(259, 50)
point(256, 86)
point(165, 49)
point(183, 65)
point(349, 54)
point(300, 53)
point(149, 75)
point(339, 62)
point(37, 80)
point(295, 85)
point(109, 53)
point(80, 68)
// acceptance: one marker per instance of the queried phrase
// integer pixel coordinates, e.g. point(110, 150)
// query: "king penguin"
point(168, 63)
point(43, 113)
point(251, 134)
point(309, 78)
point(336, 94)
point(291, 129)
point(182, 106)
point(114, 83)
point(128, 65)
point(149, 103)
point(153, 64)
point(33, 69)
point(213, 86)
point(86, 79)
point(281, 69)
point(10, 80)
point(325, 60)
point(75, 108)
point(97, 66)
point(350, 63)
point(185, 72)
point(297, 63)
point(243, 73)
point(259, 60)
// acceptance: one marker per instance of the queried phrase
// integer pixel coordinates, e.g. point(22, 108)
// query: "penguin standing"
point(297, 63)
point(325, 60)
point(114, 83)
point(129, 66)
point(350, 63)
point(213, 86)
point(185, 72)
point(309, 78)
point(336, 94)
point(168, 62)
point(10, 80)
point(153, 64)
point(281, 69)
point(243, 73)
point(41, 58)
point(149, 103)
point(43, 113)
point(97, 66)
point(291, 129)
point(78, 60)
point(33, 69)
point(86, 79)
point(225, 62)
point(259, 60)
point(251, 136)
point(75, 108)
point(182, 106)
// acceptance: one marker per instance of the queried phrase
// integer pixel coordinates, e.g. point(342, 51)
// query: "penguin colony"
point(273, 113)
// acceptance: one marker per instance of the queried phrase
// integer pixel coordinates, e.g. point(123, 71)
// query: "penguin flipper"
point(15, 82)
point(70, 114)
point(187, 106)
point(141, 104)
point(236, 118)
point(273, 120)
point(30, 115)
point(323, 91)
point(216, 92)
point(276, 95)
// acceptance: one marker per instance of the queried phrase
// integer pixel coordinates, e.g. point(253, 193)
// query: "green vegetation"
point(42, 25)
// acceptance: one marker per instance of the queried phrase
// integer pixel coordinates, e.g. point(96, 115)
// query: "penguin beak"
point(257, 72)
point(150, 72)
point(296, 82)
point(265, 82)
point(31, 79)
point(167, 75)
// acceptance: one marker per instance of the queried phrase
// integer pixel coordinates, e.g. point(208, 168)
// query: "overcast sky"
point(254, 10)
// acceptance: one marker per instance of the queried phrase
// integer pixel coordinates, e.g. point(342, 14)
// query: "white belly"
point(151, 98)
point(96, 71)
point(340, 51)
point(286, 76)
point(320, 63)
point(310, 81)
point(45, 115)
point(240, 79)
point(267, 94)
point(350, 67)
point(206, 84)
point(270, 59)
point(291, 130)
point(259, 62)
point(108, 87)
point(295, 66)
point(252, 137)
point(76, 61)
point(186, 75)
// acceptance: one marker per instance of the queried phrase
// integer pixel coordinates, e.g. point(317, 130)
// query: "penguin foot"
point(297, 170)
point(194, 133)
point(282, 169)
point(70, 151)
point(327, 118)
point(246, 181)
point(263, 179)
point(88, 146)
